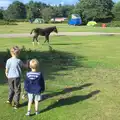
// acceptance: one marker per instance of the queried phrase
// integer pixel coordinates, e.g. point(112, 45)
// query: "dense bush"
point(99, 24)
point(17, 20)
point(110, 24)
point(114, 24)
point(116, 11)
point(3, 22)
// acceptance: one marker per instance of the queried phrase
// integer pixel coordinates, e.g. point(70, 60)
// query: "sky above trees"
point(5, 3)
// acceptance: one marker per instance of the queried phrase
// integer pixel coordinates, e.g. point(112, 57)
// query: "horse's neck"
point(50, 30)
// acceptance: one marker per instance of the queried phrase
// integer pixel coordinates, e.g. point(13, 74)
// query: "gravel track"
point(16, 35)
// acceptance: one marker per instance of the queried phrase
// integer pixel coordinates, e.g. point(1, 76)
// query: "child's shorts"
point(35, 97)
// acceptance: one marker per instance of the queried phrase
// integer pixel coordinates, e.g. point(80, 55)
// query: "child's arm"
point(42, 83)
point(7, 68)
point(26, 84)
point(6, 72)
point(25, 65)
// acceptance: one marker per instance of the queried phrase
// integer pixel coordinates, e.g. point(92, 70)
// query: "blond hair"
point(34, 64)
point(15, 50)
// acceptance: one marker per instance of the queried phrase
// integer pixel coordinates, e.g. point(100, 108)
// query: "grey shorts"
point(32, 97)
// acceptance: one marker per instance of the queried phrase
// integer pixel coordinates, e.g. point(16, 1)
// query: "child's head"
point(34, 64)
point(15, 51)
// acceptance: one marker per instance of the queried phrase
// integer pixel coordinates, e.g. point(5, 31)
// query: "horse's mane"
point(52, 27)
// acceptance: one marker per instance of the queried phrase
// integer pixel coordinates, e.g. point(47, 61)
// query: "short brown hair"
point(34, 64)
point(15, 50)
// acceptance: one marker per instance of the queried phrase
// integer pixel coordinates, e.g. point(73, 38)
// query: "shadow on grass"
point(51, 61)
point(70, 100)
point(66, 90)
point(23, 104)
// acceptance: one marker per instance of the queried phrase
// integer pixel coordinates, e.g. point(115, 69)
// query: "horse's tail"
point(32, 31)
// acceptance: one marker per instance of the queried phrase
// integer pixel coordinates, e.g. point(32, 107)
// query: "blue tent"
point(75, 20)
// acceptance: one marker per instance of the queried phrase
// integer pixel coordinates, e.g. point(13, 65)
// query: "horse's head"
point(55, 29)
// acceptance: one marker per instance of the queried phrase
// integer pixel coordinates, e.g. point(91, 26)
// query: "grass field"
point(82, 78)
point(26, 28)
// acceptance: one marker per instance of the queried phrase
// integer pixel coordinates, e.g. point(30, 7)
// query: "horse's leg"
point(46, 38)
point(33, 42)
point(37, 40)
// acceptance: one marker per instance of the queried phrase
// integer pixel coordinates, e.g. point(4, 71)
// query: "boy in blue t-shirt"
point(34, 85)
point(13, 73)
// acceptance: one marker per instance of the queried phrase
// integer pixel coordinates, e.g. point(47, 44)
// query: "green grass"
point(82, 78)
point(26, 28)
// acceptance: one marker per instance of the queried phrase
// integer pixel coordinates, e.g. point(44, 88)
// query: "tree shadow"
point(51, 61)
point(23, 104)
point(66, 90)
point(3, 57)
point(70, 100)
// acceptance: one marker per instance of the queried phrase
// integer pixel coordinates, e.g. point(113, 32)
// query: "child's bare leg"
point(29, 105)
point(29, 108)
point(36, 105)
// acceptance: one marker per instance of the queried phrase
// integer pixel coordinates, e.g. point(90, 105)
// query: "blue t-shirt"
point(13, 65)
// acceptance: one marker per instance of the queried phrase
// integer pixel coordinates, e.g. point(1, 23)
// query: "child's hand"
point(6, 75)
point(42, 91)
point(24, 96)
point(28, 63)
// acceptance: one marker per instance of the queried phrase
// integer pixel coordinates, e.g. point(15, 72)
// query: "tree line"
point(98, 10)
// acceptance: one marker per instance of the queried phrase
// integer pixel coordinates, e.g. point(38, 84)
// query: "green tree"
point(16, 10)
point(47, 14)
point(1, 14)
point(34, 9)
point(67, 10)
point(57, 11)
point(116, 11)
point(62, 11)
point(94, 9)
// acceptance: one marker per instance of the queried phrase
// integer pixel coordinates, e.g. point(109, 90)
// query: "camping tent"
point(91, 23)
point(38, 21)
point(75, 20)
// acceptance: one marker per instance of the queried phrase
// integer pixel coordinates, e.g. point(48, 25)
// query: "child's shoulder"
point(11, 58)
point(33, 73)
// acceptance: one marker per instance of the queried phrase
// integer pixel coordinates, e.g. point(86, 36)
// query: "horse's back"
point(44, 31)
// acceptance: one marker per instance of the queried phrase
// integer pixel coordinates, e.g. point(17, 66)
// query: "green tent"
point(91, 23)
point(38, 21)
